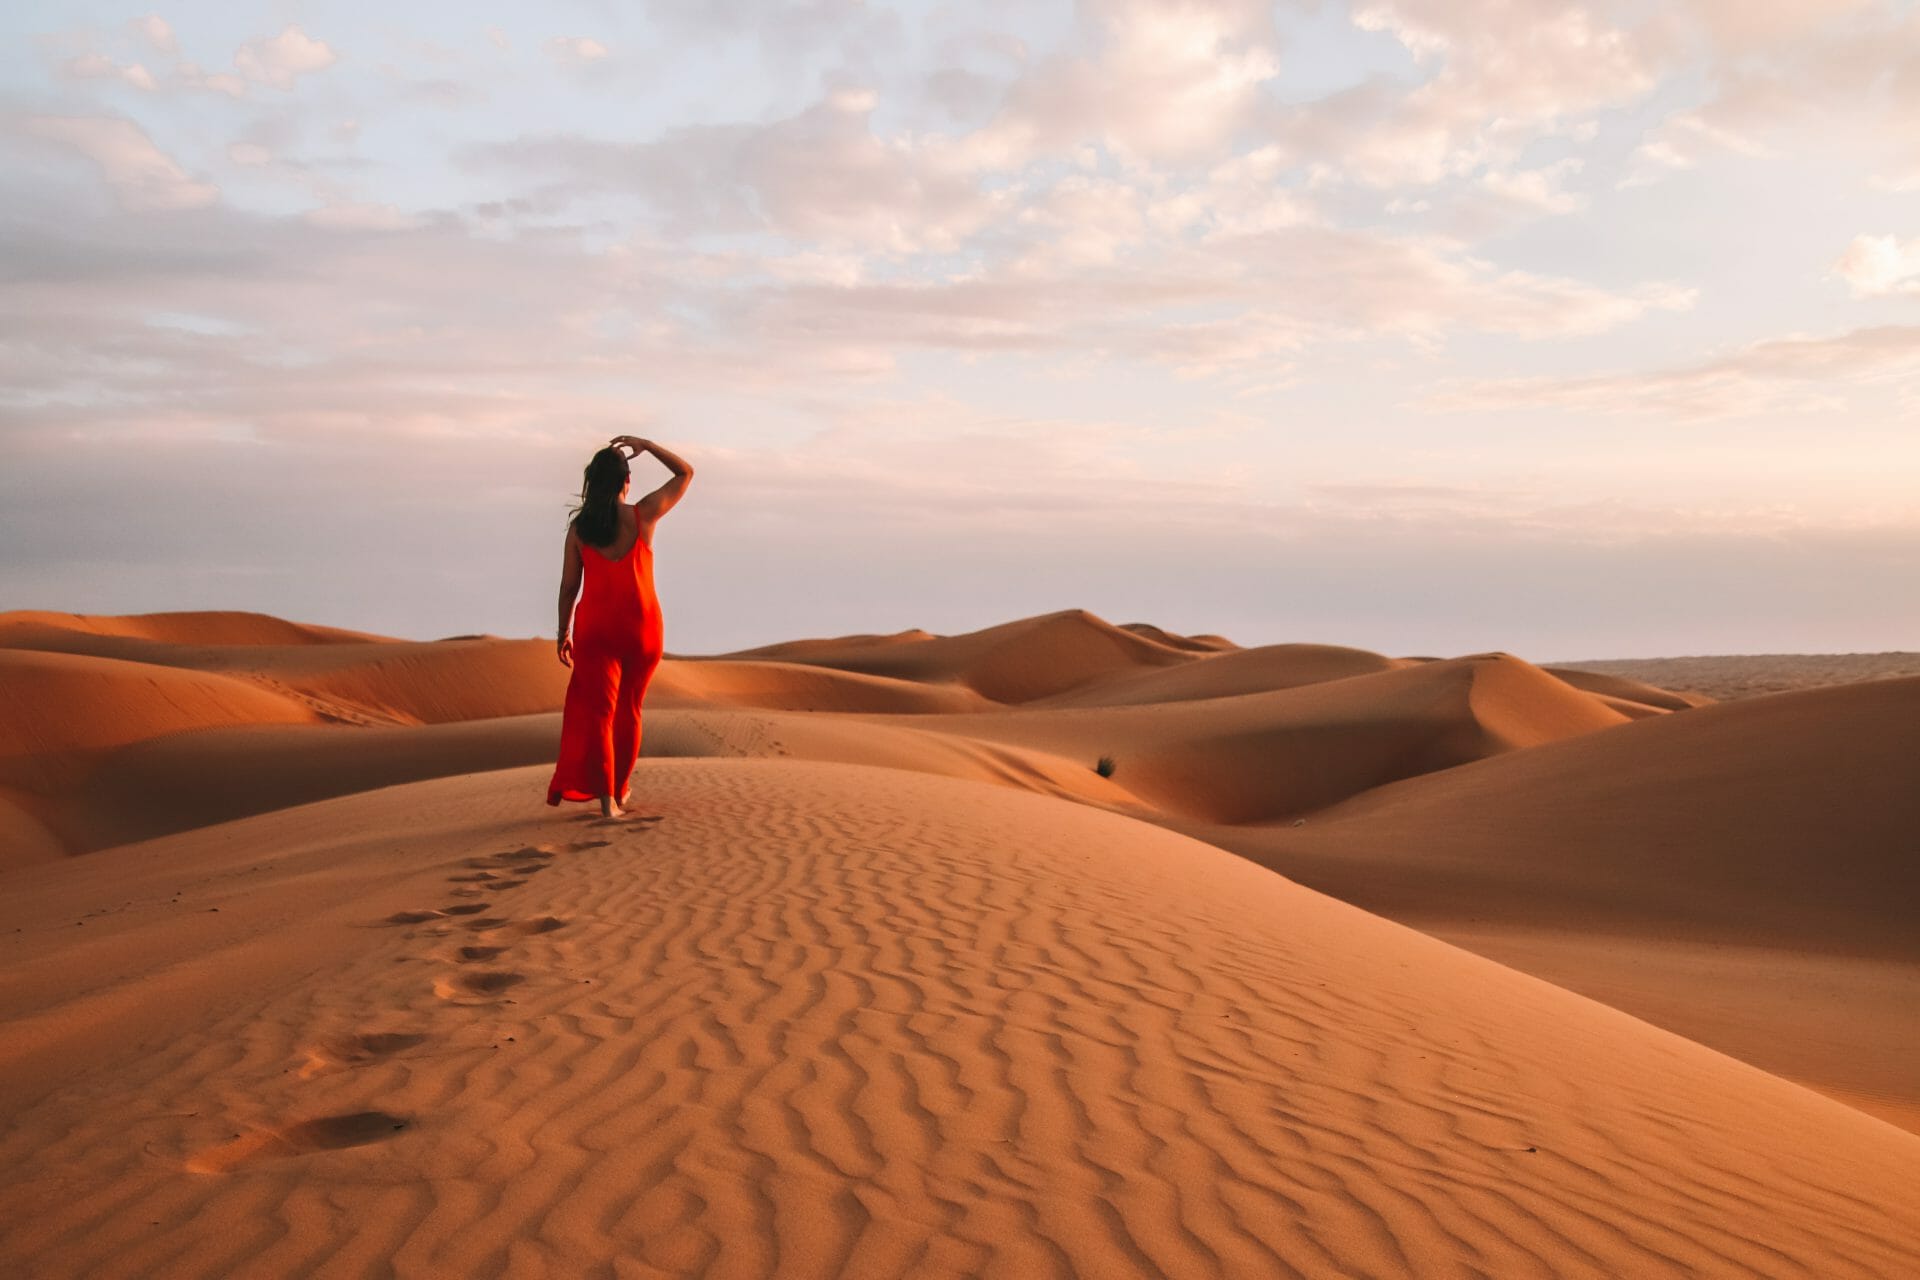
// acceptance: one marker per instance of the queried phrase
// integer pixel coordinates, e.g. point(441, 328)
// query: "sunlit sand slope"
point(344, 677)
point(836, 1021)
point(1260, 757)
point(1792, 818)
point(1743, 873)
point(71, 632)
point(798, 686)
point(1014, 662)
point(1279, 666)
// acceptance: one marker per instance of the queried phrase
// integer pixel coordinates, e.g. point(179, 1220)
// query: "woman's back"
point(616, 592)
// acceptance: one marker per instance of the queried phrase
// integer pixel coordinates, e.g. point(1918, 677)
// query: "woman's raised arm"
point(661, 500)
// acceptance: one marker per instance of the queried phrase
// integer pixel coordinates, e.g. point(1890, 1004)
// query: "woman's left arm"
point(570, 572)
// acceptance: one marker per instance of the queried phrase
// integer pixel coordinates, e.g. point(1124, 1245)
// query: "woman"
point(616, 637)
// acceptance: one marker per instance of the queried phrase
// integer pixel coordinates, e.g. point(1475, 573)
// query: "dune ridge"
point(1266, 756)
point(1791, 817)
point(833, 1020)
point(31, 628)
point(1012, 663)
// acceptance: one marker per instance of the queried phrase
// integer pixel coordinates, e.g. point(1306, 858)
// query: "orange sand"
point(898, 984)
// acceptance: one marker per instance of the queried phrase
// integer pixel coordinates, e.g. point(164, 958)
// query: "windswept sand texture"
point(828, 1020)
point(888, 980)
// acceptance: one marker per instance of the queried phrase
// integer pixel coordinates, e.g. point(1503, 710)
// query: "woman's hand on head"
point(564, 646)
point(634, 445)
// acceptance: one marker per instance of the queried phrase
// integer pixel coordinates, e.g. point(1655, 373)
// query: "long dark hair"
point(597, 518)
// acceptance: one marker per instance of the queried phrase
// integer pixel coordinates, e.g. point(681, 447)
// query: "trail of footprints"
point(469, 986)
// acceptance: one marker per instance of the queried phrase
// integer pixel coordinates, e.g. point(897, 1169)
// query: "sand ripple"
point(840, 1021)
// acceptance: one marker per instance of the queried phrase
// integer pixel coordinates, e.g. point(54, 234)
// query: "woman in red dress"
point(615, 640)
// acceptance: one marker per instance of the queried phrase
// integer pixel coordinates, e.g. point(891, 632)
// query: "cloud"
point(1541, 189)
point(278, 61)
point(933, 240)
point(820, 176)
point(190, 75)
point(157, 32)
point(1499, 74)
point(1170, 80)
point(249, 155)
point(348, 216)
point(141, 175)
point(94, 66)
point(1876, 266)
point(576, 49)
point(1782, 375)
point(1844, 72)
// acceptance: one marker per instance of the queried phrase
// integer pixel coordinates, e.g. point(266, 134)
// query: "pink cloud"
point(141, 175)
point(278, 61)
point(1782, 375)
point(1876, 266)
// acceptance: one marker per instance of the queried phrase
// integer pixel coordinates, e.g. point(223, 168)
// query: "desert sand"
point(1727, 677)
point(1354, 966)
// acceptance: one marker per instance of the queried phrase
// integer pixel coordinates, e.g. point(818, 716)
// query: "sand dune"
point(1790, 817)
point(1622, 689)
point(846, 1010)
point(1742, 873)
point(178, 783)
point(61, 713)
point(827, 648)
point(188, 780)
point(39, 629)
point(906, 746)
point(25, 836)
point(799, 686)
point(1195, 644)
point(1015, 662)
point(1278, 666)
point(1262, 757)
point(824, 1020)
point(342, 676)
point(53, 703)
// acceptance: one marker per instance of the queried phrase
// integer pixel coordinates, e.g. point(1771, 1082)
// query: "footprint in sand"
point(469, 955)
point(351, 1051)
point(472, 877)
point(327, 1133)
point(522, 928)
point(413, 917)
point(463, 909)
point(483, 982)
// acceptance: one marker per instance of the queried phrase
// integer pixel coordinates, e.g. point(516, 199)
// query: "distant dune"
point(1752, 675)
point(893, 980)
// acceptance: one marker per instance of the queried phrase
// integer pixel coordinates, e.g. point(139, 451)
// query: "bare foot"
point(609, 809)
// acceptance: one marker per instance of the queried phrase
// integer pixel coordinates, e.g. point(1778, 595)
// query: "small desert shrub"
point(1105, 767)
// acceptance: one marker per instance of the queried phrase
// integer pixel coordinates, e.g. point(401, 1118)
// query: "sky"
point(1426, 326)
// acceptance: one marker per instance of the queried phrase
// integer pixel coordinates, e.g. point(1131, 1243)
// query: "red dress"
point(617, 641)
